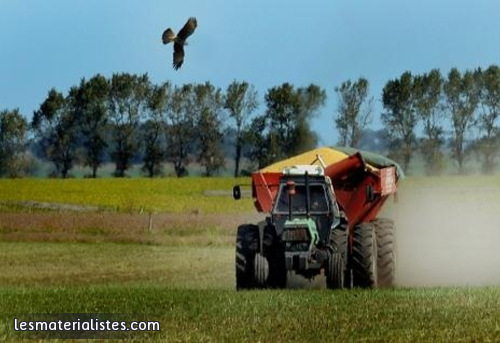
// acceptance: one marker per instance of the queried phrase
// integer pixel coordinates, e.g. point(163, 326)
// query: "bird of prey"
point(179, 40)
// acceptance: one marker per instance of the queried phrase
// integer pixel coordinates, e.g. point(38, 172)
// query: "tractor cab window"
point(317, 199)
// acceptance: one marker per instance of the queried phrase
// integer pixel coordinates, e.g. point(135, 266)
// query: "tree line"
point(128, 119)
point(430, 114)
point(126, 116)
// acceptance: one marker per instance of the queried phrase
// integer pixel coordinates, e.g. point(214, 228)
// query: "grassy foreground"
point(399, 315)
point(190, 291)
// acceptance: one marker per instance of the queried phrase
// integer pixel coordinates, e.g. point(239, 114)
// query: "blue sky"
point(54, 43)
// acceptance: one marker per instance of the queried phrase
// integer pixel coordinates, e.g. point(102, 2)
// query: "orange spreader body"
point(352, 179)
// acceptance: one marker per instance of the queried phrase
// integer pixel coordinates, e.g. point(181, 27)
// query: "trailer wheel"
point(247, 242)
point(386, 259)
point(364, 256)
point(336, 263)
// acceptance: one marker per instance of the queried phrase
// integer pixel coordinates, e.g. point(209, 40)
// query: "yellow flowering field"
point(164, 195)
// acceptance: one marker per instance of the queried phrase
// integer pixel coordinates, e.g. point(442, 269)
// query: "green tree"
point(91, 107)
point(400, 118)
point(154, 153)
point(55, 126)
point(289, 112)
point(311, 98)
point(354, 111)
point(180, 129)
point(258, 140)
point(128, 98)
point(427, 95)
point(240, 101)
point(13, 130)
point(282, 111)
point(208, 104)
point(284, 129)
point(488, 117)
point(462, 98)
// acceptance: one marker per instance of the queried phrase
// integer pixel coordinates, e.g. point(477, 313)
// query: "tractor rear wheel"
point(386, 259)
point(336, 263)
point(364, 256)
point(247, 245)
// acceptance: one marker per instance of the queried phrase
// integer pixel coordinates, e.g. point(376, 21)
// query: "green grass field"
point(190, 291)
point(181, 272)
point(400, 315)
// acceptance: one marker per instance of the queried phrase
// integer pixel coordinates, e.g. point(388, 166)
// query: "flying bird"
point(179, 40)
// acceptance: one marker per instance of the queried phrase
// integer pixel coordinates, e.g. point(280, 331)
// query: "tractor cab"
point(303, 215)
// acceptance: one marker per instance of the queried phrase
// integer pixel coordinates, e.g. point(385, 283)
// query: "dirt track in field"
point(448, 236)
point(163, 228)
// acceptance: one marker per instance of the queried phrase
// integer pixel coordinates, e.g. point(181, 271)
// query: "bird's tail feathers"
point(168, 36)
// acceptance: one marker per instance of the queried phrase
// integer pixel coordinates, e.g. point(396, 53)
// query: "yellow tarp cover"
point(329, 156)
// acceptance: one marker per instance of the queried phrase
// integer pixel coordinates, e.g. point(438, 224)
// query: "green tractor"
point(305, 232)
point(322, 221)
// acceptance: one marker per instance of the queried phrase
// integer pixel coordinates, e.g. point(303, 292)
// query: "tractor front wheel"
point(275, 254)
point(261, 270)
point(247, 243)
point(335, 271)
point(336, 263)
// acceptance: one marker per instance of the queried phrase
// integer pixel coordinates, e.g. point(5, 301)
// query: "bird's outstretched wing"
point(188, 29)
point(178, 55)
point(168, 36)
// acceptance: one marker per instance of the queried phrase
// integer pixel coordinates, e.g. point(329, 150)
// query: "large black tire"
point(275, 254)
point(336, 263)
point(386, 257)
point(364, 256)
point(335, 271)
point(247, 245)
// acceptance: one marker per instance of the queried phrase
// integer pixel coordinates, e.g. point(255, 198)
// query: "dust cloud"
point(447, 236)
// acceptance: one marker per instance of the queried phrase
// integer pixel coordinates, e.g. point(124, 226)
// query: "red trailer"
point(323, 208)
